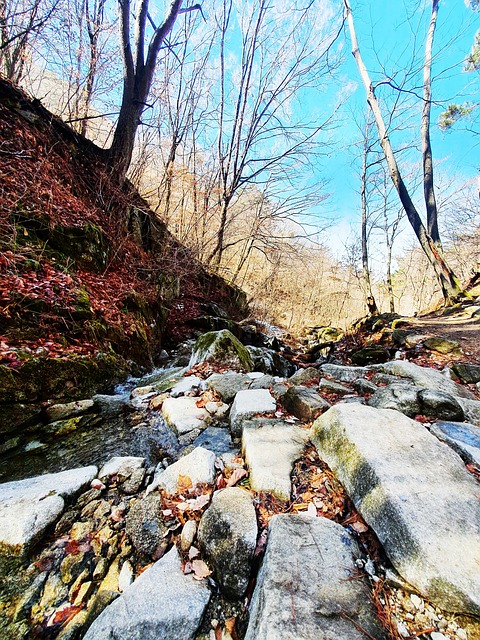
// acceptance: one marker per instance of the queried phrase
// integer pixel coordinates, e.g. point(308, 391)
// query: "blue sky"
point(387, 32)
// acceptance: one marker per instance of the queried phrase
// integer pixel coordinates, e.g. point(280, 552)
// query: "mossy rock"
point(442, 345)
point(86, 245)
point(223, 349)
point(18, 416)
point(370, 355)
point(469, 373)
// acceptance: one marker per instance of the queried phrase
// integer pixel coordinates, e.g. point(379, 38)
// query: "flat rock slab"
point(199, 466)
point(306, 587)
point(247, 404)
point(182, 414)
point(415, 493)
point(228, 384)
point(28, 507)
point(344, 373)
point(424, 377)
point(185, 385)
point(161, 603)
point(216, 439)
point(270, 448)
point(121, 466)
point(464, 438)
point(227, 535)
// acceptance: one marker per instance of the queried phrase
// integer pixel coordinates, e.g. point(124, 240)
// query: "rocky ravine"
point(249, 534)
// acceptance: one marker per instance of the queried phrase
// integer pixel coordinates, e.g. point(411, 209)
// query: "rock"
point(302, 376)
point(161, 603)
point(228, 384)
point(370, 354)
point(469, 373)
point(400, 336)
point(121, 466)
point(138, 392)
point(125, 578)
point(28, 507)
point(414, 339)
point(71, 409)
point(304, 403)
point(270, 448)
point(227, 535)
point(185, 385)
point(401, 397)
point(216, 439)
point(81, 530)
point(217, 409)
point(223, 349)
point(30, 597)
point(199, 466)
point(343, 373)
point(306, 587)
point(416, 495)
point(188, 534)
point(84, 593)
point(133, 484)
point(182, 415)
point(165, 380)
point(71, 567)
point(111, 580)
point(263, 381)
point(333, 387)
point(441, 345)
point(145, 526)
point(156, 402)
point(248, 404)
point(111, 405)
point(270, 362)
point(439, 405)
point(424, 377)
point(471, 410)
point(363, 386)
point(464, 438)
point(55, 591)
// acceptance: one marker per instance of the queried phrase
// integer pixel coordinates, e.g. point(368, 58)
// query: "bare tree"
point(428, 238)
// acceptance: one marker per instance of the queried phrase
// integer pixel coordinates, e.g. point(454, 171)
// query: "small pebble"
point(188, 534)
point(462, 634)
point(97, 484)
point(418, 602)
point(403, 630)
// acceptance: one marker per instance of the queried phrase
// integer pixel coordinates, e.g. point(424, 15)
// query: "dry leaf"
point(184, 482)
point(193, 553)
point(359, 527)
point(230, 625)
point(236, 476)
point(200, 569)
point(194, 504)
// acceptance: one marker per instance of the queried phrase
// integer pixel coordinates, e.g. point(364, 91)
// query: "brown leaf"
point(200, 569)
point(359, 527)
point(193, 553)
point(184, 482)
point(236, 476)
point(194, 504)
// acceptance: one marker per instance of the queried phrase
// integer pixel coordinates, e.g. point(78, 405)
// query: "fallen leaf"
point(359, 527)
point(194, 504)
point(193, 553)
point(184, 482)
point(236, 476)
point(200, 569)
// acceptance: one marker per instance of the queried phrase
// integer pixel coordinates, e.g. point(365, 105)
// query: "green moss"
point(223, 348)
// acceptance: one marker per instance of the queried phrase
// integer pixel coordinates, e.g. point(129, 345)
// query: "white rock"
point(199, 466)
point(124, 466)
point(254, 375)
point(28, 507)
point(188, 534)
point(183, 415)
point(162, 603)
point(185, 385)
point(416, 494)
point(125, 578)
point(435, 635)
point(247, 404)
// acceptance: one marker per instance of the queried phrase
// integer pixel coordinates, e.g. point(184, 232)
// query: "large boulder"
point(464, 438)
point(223, 349)
point(248, 404)
point(161, 603)
point(228, 536)
point(415, 493)
point(398, 396)
point(270, 448)
point(307, 588)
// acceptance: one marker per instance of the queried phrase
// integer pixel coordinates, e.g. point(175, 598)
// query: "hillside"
point(91, 281)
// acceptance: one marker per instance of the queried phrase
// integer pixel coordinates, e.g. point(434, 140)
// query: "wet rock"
point(28, 507)
point(183, 415)
point(161, 603)
point(55, 591)
point(216, 439)
point(442, 345)
point(121, 466)
point(71, 409)
point(270, 448)
point(469, 373)
point(221, 348)
point(228, 536)
point(111, 405)
point(304, 403)
point(30, 597)
point(333, 387)
point(248, 404)
point(439, 405)
point(302, 376)
point(228, 384)
point(415, 493)
point(464, 438)
point(305, 588)
point(199, 466)
point(71, 567)
point(401, 397)
point(145, 526)
point(343, 373)
point(138, 392)
point(270, 362)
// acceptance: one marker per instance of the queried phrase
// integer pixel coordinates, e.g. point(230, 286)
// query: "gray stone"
point(415, 493)
point(270, 362)
point(469, 373)
point(165, 379)
point(185, 385)
point(30, 597)
point(216, 439)
point(471, 409)
point(362, 385)
point(28, 507)
point(270, 448)
point(221, 348)
point(69, 410)
point(304, 375)
point(439, 405)
point(161, 603)
point(121, 466)
point(188, 534)
point(333, 387)
point(424, 377)
point(111, 405)
point(199, 466)
point(247, 404)
point(304, 403)
point(343, 373)
point(133, 483)
point(228, 384)
point(307, 588)
point(464, 438)
point(414, 339)
point(145, 525)
point(182, 415)
point(227, 535)
point(401, 397)
point(263, 382)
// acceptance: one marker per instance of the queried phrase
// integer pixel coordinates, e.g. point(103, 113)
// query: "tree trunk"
point(371, 304)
